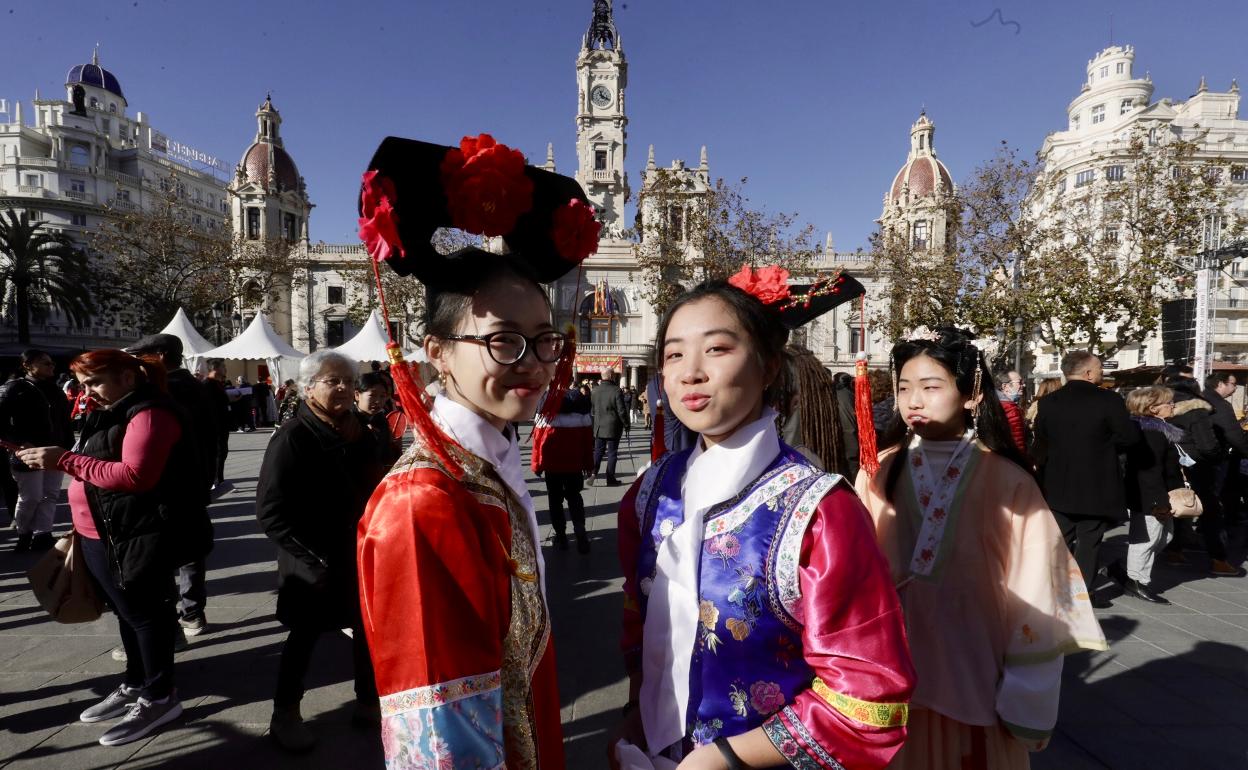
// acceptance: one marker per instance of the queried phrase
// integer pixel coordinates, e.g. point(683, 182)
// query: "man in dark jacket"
point(1080, 431)
point(610, 422)
point(196, 402)
point(1233, 441)
point(34, 412)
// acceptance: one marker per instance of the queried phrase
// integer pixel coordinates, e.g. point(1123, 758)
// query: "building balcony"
point(604, 176)
point(36, 162)
point(33, 191)
point(80, 195)
point(625, 350)
point(121, 204)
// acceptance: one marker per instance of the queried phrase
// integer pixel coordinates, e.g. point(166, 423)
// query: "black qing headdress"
point(484, 188)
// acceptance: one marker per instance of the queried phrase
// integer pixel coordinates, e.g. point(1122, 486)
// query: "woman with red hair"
point(131, 469)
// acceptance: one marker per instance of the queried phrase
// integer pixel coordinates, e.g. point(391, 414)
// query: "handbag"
point(1184, 503)
point(62, 585)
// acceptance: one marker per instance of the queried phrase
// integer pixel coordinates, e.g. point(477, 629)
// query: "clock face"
point(601, 96)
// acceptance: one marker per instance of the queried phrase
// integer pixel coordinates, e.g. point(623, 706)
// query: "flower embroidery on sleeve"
point(766, 697)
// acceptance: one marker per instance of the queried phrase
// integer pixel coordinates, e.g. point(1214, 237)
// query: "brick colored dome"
point(258, 159)
point(920, 176)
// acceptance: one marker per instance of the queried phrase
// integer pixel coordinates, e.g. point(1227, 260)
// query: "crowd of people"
point(791, 597)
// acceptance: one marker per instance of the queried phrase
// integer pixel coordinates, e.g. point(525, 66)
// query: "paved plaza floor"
point(1171, 692)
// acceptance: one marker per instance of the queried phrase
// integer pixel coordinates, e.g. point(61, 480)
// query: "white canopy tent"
point(369, 343)
point(259, 342)
point(193, 345)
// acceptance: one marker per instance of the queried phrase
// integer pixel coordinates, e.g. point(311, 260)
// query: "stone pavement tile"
point(1141, 748)
point(1064, 754)
point(1213, 628)
point(1208, 604)
point(40, 715)
point(52, 652)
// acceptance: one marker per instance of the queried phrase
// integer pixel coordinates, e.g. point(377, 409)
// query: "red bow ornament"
point(486, 187)
point(768, 284)
point(379, 222)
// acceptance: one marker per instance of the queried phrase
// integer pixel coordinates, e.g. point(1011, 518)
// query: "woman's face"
point(333, 388)
point(107, 388)
point(497, 392)
point(711, 371)
point(930, 401)
point(371, 401)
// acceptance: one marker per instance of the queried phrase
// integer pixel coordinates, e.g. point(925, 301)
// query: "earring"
point(976, 393)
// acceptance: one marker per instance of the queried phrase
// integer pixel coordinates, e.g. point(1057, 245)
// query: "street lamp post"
point(1018, 345)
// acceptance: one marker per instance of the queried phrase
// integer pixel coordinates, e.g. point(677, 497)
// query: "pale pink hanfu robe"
point(992, 598)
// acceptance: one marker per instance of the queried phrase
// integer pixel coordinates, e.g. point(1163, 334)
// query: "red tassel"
point(658, 445)
point(410, 389)
point(868, 454)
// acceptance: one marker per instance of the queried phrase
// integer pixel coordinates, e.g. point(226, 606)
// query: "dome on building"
point(94, 75)
point(920, 175)
point(263, 156)
point(923, 174)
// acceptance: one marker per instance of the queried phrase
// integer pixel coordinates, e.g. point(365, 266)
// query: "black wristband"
point(730, 756)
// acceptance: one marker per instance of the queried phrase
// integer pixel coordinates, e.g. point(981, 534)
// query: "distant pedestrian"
point(1220, 387)
point(563, 454)
point(849, 422)
point(610, 424)
point(1010, 389)
point(811, 424)
point(132, 468)
point(1153, 471)
point(1080, 432)
point(34, 412)
point(318, 472)
point(217, 384)
point(1047, 386)
point(197, 403)
point(288, 404)
point(375, 401)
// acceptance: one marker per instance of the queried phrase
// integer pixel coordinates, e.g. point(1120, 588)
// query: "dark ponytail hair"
point(955, 351)
point(767, 335)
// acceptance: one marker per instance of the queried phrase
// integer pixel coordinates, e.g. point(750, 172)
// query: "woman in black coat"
point(1152, 471)
point(319, 470)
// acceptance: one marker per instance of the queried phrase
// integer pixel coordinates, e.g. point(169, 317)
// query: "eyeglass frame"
point(349, 382)
point(530, 343)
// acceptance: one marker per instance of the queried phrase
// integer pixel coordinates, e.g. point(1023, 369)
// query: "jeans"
point(561, 486)
point(1140, 556)
point(1083, 536)
point(297, 654)
point(37, 496)
point(612, 448)
point(145, 618)
point(192, 590)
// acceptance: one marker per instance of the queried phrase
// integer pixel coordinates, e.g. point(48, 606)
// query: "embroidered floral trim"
point(789, 551)
point(439, 694)
point(935, 491)
point(863, 711)
point(791, 738)
point(737, 514)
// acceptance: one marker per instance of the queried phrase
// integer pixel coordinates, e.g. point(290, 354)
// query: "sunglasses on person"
point(507, 348)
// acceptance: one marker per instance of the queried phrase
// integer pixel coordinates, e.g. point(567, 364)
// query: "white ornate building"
point(1112, 104)
point(66, 159)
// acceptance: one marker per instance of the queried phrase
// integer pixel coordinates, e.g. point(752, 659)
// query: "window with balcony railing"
point(1113, 174)
point(1084, 178)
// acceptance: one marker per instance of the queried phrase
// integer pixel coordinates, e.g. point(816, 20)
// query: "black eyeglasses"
point(507, 348)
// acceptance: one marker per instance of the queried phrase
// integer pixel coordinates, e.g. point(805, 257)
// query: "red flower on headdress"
point(486, 188)
point(769, 284)
point(575, 231)
point(379, 222)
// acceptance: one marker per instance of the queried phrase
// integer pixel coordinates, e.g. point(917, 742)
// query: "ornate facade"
point(1113, 103)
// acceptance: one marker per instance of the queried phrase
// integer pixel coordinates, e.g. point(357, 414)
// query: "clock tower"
point(601, 124)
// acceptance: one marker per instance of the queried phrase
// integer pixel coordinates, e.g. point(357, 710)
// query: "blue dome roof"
point(94, 75)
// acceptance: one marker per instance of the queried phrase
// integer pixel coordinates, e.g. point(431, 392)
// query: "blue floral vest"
point(747, 661)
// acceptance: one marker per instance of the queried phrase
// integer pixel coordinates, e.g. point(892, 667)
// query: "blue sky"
point(811, 100)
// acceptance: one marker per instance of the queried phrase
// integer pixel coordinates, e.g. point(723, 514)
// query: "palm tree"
point(41, 266)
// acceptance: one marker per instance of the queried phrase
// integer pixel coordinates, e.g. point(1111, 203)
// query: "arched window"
point(79, 156)
point(597, 325)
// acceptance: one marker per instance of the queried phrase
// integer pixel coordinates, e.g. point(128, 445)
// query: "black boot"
point(23, 542)
point(582, 542)
point(561, 541)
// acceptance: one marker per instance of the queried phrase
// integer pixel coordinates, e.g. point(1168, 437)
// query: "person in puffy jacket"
point(135, 524)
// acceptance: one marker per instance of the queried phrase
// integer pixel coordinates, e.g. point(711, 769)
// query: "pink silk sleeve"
point(854, 714)
point(629, 546)
point(150, 437)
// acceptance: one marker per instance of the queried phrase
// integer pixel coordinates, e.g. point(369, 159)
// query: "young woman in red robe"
point(451, 573)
